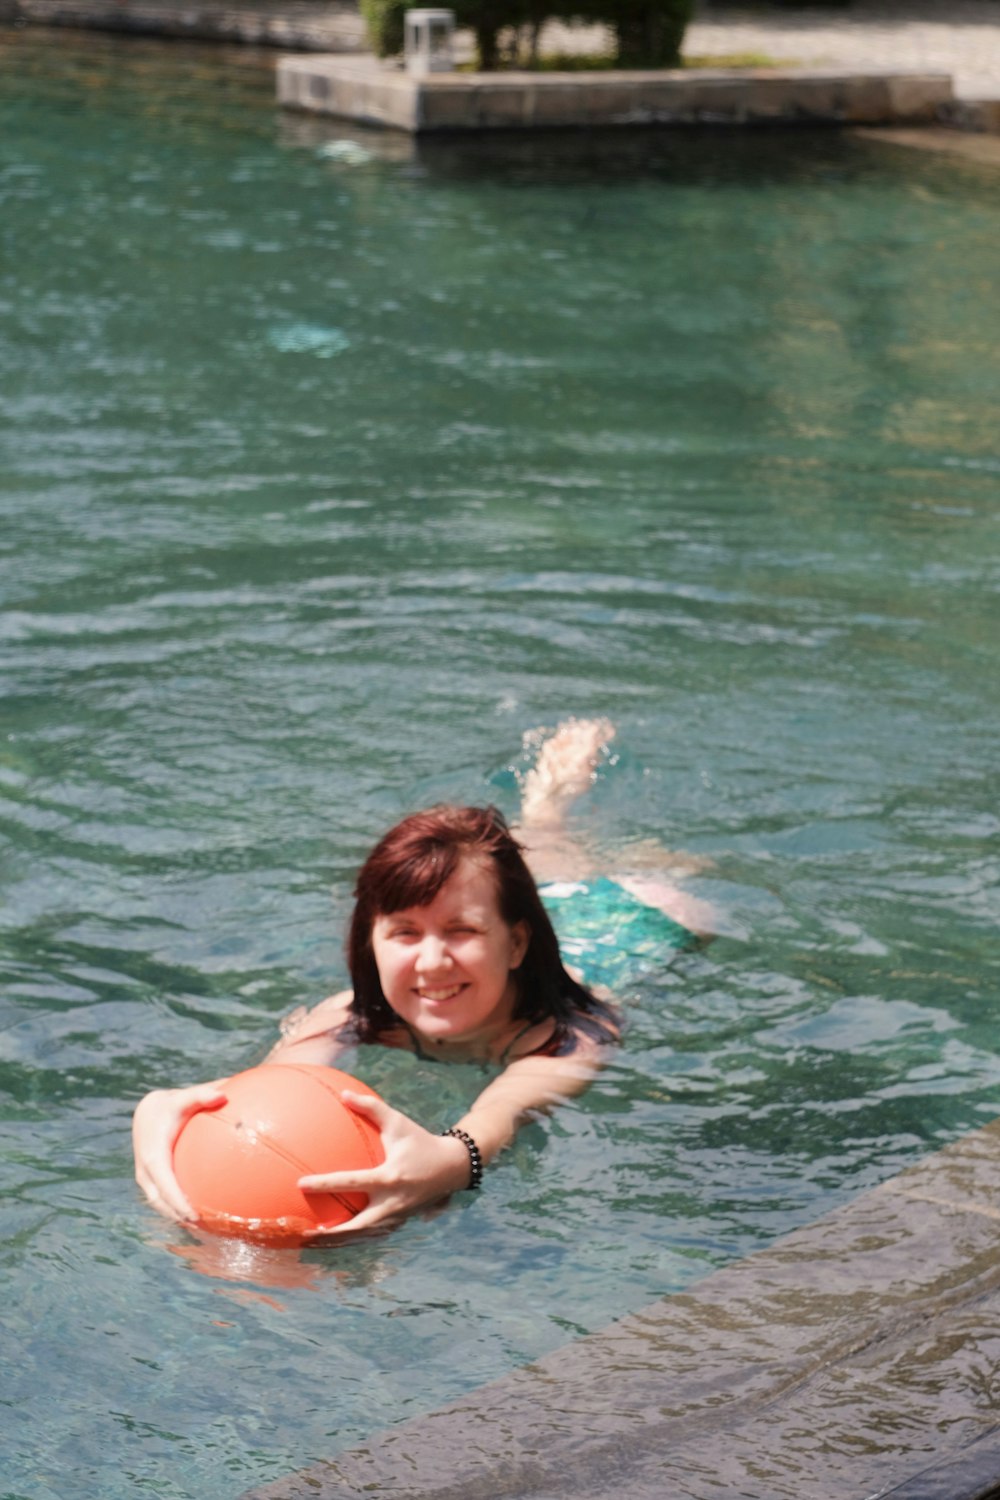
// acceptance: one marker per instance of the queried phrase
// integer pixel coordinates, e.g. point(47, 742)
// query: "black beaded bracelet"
point(475, 1158)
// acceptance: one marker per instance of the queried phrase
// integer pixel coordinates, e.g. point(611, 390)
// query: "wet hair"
point(409, 866)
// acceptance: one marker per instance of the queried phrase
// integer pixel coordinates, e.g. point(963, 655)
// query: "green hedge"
point(384, 20)
point(648, 33)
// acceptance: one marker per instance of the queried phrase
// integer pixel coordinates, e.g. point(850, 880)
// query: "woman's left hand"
point(419, 1169)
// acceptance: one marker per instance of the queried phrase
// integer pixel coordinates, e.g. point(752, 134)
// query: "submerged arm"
point(528, 1086)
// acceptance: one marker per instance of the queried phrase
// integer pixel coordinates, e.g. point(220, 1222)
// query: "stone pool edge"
point(856, 1351)
point(370, 92)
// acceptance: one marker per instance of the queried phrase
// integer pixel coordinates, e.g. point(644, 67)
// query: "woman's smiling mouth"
point(436, 996)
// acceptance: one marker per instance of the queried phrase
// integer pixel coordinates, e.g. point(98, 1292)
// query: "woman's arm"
point(307, 1037)
point(421, 1168)
point(528, 1086)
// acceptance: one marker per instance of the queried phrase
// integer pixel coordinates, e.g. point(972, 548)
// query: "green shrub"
point(648, 33)
point(486, 19)
point(384, 21)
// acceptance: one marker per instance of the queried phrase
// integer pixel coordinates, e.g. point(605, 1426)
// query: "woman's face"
point(447, 968)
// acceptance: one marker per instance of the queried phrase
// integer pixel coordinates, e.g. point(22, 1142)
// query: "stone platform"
point(857, 1358)
point(370, 92)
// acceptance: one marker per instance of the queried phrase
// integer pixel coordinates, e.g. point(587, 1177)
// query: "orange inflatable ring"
point(239, 1165)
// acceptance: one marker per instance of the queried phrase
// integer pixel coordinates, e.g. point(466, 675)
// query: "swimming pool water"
point(330, 466)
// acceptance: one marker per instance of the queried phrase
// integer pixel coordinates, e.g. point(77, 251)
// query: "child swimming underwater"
point(453, 956)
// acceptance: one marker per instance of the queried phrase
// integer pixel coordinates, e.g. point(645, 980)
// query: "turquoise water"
point(329, 469)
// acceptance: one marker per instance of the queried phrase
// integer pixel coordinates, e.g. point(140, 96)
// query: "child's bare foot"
point(565, 768)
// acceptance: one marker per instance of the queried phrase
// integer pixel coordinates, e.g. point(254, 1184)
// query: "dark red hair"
point(408, 867)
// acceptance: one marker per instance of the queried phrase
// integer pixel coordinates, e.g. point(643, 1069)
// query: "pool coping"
point(858, 1351)
point(368, 91)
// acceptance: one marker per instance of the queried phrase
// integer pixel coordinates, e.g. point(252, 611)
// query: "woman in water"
point(452, 956)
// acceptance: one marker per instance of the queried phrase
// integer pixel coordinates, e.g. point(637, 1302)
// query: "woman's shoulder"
point(324, 1026)
point(580, 1037)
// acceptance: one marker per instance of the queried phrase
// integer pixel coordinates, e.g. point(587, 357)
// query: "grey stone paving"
point(961, 37)
point(858, 1357)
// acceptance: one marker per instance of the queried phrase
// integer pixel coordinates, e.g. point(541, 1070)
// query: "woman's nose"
point(432, 955)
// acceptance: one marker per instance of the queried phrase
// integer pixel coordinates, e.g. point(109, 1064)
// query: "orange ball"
point(239, 1165)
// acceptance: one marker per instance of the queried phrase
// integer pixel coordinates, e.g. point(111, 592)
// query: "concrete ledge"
point(978, 146)
point(856, 1357)
point(978, 115)
point(374, 93)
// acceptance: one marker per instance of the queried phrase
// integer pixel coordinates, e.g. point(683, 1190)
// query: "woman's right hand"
point(158, 1121)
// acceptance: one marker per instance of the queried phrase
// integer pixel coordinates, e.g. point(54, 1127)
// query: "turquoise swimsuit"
point(607, 934)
